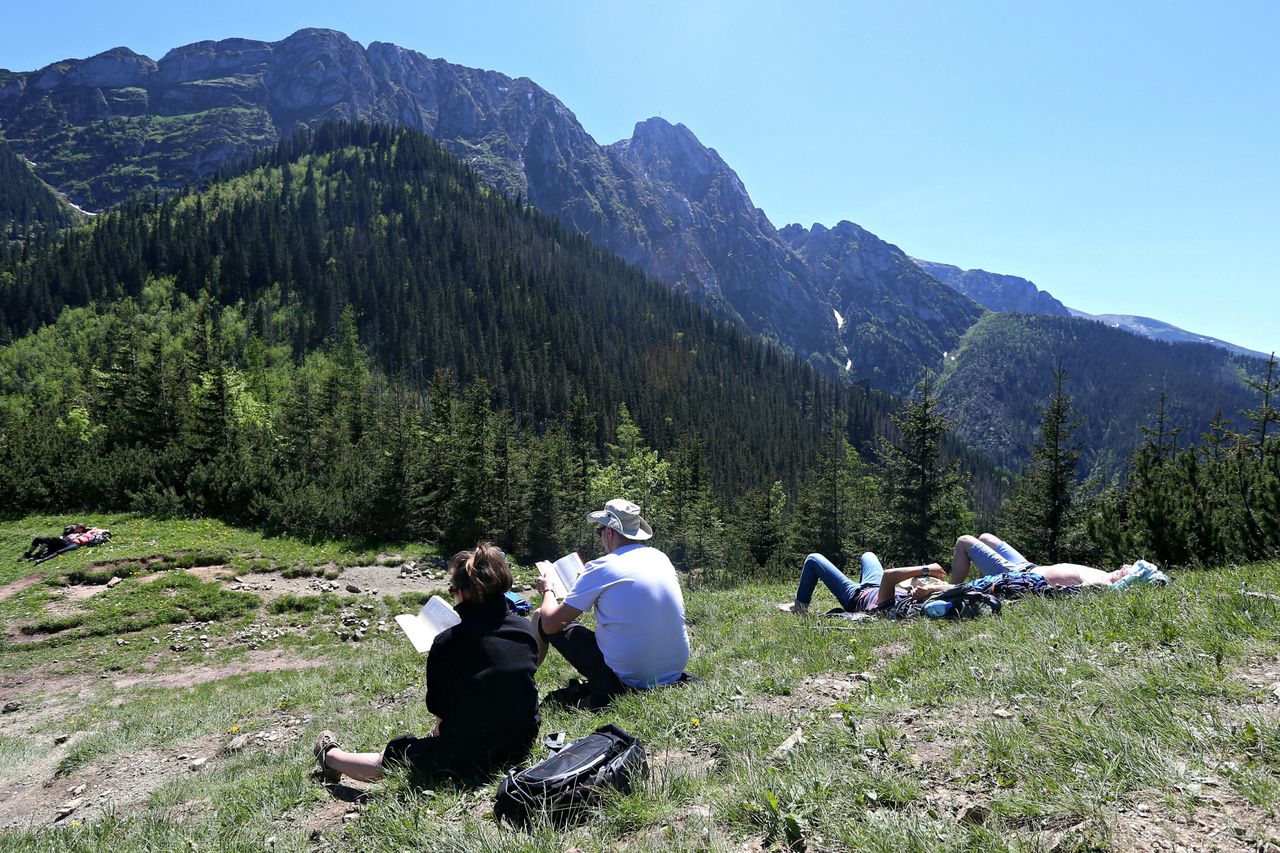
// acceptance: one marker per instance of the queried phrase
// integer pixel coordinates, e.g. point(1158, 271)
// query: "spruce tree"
point(927, 505)
point(763, 522)
point(1043, 513)
point(839, 509)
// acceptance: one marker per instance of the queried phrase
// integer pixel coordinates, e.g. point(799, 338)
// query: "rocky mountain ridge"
point(103, 128)
point(106, 127)
point(889, 310)
point(1011, 293)
point(996, 291)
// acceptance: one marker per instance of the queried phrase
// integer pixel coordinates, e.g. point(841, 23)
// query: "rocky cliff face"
point(885, 306)
point(102, 128)
point(995, 291)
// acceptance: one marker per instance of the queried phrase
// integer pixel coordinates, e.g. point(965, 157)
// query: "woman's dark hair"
point(482, 573)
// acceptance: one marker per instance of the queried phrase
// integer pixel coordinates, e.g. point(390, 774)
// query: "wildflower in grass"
point(233, 730)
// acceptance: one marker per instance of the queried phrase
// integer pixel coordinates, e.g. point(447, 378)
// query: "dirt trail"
point(37, 686)
point(34, 796)
point(14, 587)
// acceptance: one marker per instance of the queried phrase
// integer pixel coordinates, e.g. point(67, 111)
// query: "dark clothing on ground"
point(43, 546)
point(480, 684)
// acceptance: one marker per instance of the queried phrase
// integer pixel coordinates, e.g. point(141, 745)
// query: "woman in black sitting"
point(479, 686)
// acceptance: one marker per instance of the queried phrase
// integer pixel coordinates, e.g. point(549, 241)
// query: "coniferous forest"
point(27, 205)
point(353, 335)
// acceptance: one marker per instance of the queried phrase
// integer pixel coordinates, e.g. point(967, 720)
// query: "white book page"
point(562, 573)
point(422, 627)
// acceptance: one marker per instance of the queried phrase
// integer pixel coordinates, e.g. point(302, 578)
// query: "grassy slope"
point(1090, 724)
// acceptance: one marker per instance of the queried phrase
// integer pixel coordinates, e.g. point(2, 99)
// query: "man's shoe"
point(325, 741)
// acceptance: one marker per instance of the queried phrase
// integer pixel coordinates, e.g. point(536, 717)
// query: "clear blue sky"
point(1124, 156)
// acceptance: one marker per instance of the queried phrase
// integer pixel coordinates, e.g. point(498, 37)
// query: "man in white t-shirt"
point(640, 639)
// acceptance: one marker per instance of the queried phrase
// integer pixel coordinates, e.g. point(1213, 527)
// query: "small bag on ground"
point(568, 782)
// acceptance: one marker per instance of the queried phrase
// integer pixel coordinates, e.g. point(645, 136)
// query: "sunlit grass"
point(1057, 716)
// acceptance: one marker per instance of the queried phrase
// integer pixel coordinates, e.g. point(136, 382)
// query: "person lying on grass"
point(479, 686)
point(876, 590)
point(993, 556)
point(73, 536)
point(43, 546)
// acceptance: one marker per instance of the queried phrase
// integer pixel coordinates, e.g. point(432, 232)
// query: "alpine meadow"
point(294, 354)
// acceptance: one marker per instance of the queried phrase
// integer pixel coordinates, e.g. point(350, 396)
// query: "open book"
point(423, 626)
point(562, 573)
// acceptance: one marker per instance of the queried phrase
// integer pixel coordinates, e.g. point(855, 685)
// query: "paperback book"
point(423, 627)
point(562, 573)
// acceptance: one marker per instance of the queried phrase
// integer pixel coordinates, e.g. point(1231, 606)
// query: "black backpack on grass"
point(568, 782)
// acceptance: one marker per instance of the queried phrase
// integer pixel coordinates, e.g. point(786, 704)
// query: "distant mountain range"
point(1158, 330)
point(846, 301)
point(1010, 293)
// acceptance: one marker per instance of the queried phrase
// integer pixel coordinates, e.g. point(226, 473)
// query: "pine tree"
point(1261, 509)
point(632, 470)
point(1152, 491)
point(1043, 513)
point(927, 505)
point(764, 523)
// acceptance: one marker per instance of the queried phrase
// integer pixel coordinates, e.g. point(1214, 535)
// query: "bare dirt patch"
point(14, 587)
point(816, 692)
point(263, 660)
point(67, 601)
point(1221, 822)
point(34, 796)
point(886, 653)
point(1262, 673)
point(38, 689)
point(366, 580)
point(204, 573)
point(39, 799)
point(332, 814)
point(696, 759)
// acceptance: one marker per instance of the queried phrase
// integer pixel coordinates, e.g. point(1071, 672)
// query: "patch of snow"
point(88, 213)
point(839, 319)
point(848, 365)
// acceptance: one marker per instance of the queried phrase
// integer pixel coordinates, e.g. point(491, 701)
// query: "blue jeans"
point(819, 568)
point(999, 560)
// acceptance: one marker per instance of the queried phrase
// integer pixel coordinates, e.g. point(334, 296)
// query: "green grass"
point(1059, 719)
point(290, 603)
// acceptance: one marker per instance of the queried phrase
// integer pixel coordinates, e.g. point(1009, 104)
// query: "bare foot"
point(792, 607)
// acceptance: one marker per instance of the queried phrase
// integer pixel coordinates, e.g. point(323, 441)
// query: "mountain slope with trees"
point(1005, 365)
point(202, 351)
point(118, 123)
point(851, 304)
point(27, 204)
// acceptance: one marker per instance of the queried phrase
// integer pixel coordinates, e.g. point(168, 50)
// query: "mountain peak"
point(657, 136)
point(319, 33)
